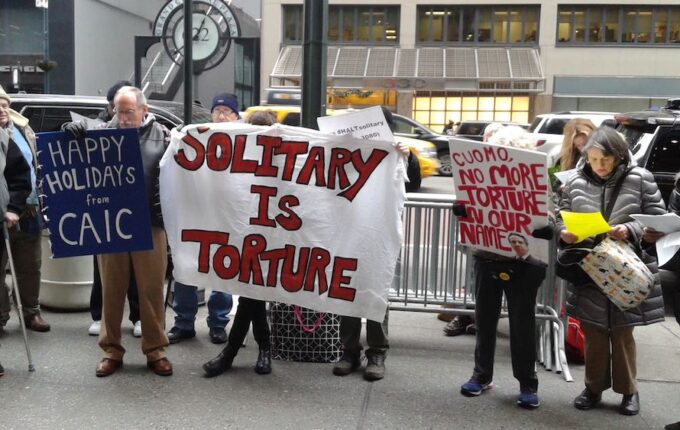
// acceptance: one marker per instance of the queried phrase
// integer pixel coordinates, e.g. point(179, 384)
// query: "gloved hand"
point(546, 232)
point(76, 129)
point(459, 209)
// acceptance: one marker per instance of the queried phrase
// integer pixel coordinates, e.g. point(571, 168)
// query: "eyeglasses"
point(225, 113)
point(127, 112)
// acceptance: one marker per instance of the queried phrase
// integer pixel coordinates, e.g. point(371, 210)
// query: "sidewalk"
point(420, 390)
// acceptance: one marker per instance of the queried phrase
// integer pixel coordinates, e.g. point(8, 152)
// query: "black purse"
point(568, 257)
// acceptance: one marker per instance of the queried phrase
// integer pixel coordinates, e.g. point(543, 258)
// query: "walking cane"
point(17, 297)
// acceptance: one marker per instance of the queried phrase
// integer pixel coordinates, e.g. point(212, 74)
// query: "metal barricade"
point(434, 270)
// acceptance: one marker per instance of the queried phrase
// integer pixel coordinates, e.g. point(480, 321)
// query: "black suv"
point(47, 112)
point(654, 139)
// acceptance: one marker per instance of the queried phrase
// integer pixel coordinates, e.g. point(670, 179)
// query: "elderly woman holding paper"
point(611, 183)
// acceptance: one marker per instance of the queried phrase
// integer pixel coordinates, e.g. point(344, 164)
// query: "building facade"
point(506, 60)
point(91, 44)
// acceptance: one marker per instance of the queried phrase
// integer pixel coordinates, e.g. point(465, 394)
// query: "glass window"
point(348, 25)
point(618, 24)
point(500, 19)
point(453, 28)
point(21, 28)
point(611, 26)
point(424, 25)
point(564, 26)
point(363, 30)
point(292, 23)
point(468, 25)
point(437, 25)
point(530, 25)
point(333, 25)
point(595, 33)
point(484, 27)
point(391, 24)
point(674, 33)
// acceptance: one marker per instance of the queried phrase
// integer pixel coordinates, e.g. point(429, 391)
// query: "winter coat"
point(586, 192)
point(15, 177)
point(154, 138)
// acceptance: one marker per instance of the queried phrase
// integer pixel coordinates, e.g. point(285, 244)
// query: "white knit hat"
point(3, 95)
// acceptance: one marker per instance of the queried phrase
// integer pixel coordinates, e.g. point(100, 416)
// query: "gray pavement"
point(420, 390)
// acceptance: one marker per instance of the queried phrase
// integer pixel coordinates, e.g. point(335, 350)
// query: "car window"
point(554, 126)
point(402, 126)
point(43, 119)
point(665, 154)
point(534, 125)
point(474, 128)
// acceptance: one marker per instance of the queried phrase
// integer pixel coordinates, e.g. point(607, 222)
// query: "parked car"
point(654, 139)
point(425, 152)
point(47, 112)
point(407, 127)
point(548, 129)
point(474, 129)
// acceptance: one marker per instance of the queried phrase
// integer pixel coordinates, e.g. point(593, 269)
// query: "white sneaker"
point(137, 330)
point(95, 328)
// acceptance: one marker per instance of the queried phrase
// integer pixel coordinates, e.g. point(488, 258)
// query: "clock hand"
point(195, 38)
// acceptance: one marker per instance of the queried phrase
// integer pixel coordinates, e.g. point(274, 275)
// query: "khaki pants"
point(149, 268)
point(604, 365)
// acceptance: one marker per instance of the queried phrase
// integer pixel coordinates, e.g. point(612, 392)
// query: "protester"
point(376, 331)
point(149, 266)
point(25, 235)
point(15, 182)
point(96, 293)
point(185, 299)
point(576, 133)
point(519, 278)
point(460, 324)
point(247, 311)
point(608, 161)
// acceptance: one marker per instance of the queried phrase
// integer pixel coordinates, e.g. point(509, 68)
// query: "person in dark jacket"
point(149, 266)
point(25, 233)
point(15, 180)
point(603, 324)
point(96, 294)
point(519, 278)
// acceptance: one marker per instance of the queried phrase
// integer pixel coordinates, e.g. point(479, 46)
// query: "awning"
point(462, 69)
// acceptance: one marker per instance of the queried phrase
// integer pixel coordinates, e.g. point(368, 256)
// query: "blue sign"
point(95, 197)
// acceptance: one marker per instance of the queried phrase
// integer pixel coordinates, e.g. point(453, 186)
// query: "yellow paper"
point(584, 225)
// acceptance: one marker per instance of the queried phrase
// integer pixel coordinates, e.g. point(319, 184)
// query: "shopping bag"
point(300, 334)
point(617, 270)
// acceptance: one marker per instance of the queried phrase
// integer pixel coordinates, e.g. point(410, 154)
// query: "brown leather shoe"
point(108, 366)
point(37, 323)
point(161, 367)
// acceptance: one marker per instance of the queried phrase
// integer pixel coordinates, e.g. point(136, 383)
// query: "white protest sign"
point(364, 124)
point(505, 191)
point(284, 213)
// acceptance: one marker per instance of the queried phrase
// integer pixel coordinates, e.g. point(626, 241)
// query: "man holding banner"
point(149, 266)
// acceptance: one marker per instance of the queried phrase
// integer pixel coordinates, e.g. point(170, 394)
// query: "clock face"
point(213, 25)
point(205, 36)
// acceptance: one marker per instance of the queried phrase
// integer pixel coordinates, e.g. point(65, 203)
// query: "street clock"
point(214, 26)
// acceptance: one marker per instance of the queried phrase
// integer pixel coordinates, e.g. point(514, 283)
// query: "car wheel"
point(444, 163)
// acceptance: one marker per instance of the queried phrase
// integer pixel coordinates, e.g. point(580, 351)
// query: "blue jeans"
point(185, 305)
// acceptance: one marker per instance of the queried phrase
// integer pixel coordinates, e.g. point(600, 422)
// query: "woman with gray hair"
point(609, 167)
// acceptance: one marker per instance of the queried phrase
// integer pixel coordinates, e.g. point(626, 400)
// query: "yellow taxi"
point(425, 151)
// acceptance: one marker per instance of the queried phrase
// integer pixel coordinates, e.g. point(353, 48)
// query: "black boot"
point(263, 365)
point(221, 363)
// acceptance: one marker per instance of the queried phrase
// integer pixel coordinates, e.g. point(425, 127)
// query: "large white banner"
point(284, 213)
point(506, 194)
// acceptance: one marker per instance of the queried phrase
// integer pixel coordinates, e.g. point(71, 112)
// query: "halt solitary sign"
point(95, 197)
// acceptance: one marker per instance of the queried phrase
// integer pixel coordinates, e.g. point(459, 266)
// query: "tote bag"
point(617, 270)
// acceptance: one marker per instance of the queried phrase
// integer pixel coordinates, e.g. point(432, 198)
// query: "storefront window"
point(435, 109)
point(674, 33)
point(292, 23)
